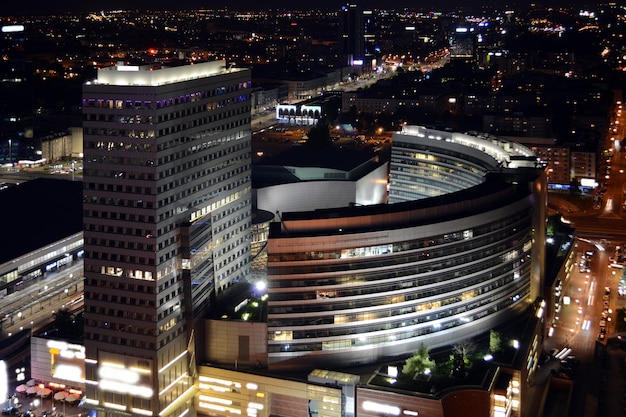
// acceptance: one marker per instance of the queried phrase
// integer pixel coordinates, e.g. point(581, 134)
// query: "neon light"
point(257, 406)
point(115, 373)
point(216, 380)
point(173, 361)
point(4, 382)
point(141, 411)
point(115, 406)
point(215, 400)
point(123, 388)
point(12, 28)
point(174, 382)
point(212, 387)
point(190, 391)
point(381, 408)
point(69, 372)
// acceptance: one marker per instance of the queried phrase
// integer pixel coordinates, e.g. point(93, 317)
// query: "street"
point(34, 306)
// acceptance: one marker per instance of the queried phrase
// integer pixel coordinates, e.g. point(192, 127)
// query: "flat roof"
point(154, 75)
point(37, 213)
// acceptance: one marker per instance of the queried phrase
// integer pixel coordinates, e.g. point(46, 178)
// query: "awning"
point(59, 396)
point(44, 392)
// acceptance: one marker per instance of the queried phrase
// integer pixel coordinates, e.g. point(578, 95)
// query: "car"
point(12, 411)
point(602, 336)
point(607, 291)
point(573, 359)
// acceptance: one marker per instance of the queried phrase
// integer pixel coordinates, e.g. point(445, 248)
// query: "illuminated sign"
point(381, 408)
point(588, 182)
point(67, 360)
point(4, 380)
point(12, 28)
point(133, 380)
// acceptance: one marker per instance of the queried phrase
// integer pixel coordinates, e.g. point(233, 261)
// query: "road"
point(578, 323)
point(34, 306)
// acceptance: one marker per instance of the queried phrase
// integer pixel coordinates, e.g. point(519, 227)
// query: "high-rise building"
point(371, 28)
point(16, 94)
point(457, 251)
point(351, 32)
point(167, 212)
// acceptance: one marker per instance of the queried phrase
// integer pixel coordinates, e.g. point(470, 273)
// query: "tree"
point(419, 363)
point(574, 187)
point(464, 348)
point(461, 351)
point(495, 341)
point(319, 135)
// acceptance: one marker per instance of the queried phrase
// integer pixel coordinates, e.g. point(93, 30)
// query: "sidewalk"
point(612, 395)
point(49, 404)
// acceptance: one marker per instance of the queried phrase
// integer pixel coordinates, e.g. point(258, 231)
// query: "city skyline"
point(458, 251)
point(41, 7)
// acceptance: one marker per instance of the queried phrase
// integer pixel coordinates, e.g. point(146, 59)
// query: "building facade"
point(349, 286)
point(351, 34)
point(167, 212)
point(16, 92)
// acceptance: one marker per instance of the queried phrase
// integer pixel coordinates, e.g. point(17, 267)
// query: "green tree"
point(495, 341)
point(419, 362)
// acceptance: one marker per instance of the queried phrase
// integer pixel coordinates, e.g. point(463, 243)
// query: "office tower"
point(371, 50)
point(463, 43)
point(167, 214)
point(351, 33)
point(16, 93)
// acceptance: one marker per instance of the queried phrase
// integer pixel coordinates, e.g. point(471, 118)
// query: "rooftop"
point(39, 212)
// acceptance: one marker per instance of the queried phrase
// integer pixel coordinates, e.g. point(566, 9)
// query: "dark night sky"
point(33, 7)
point(38, 7)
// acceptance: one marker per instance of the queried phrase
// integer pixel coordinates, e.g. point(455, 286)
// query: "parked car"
point(11, 411)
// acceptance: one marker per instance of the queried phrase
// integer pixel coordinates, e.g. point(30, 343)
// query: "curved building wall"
point(423, 167)
point(349, 286)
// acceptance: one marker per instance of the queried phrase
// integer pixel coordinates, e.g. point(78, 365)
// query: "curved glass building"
point(456, 252)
